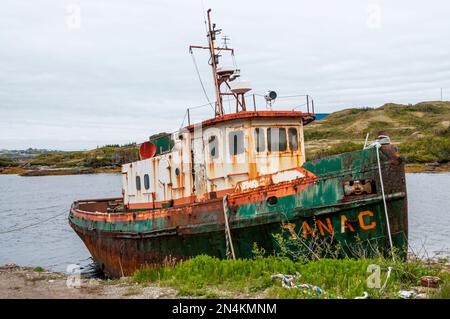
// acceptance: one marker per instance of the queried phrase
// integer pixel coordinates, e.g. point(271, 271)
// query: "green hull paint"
point(321, 205)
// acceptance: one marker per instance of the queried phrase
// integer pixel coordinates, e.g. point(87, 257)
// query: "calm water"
point(25, 201)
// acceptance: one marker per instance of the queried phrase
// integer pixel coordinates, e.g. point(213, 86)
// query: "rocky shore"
point(35, 283)
point(43, 171)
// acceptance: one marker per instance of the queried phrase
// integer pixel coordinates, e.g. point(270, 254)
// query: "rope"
point(185, 115)
point(364, 296)
point(287, 281)
point(228, 239)
point(28, 226)
point(234, 60)
point(377, 147)
point(200, 79)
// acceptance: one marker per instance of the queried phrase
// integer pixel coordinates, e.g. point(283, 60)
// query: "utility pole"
point(441, 95)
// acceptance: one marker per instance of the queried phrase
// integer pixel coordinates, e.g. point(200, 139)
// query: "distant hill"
point(109, 155)
point(422, 130)
point(22, 154)
point(109, 158)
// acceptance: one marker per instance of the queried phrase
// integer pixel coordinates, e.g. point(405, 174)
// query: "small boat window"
point(236, 142)
point(293, 139)
point(276, 139)
point(146, 181)
point(260, 141)
point(213, 147)
point(138, 183)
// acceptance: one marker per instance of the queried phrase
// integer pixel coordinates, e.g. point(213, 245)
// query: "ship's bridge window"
point(276, 139)
point(213, 147)
point(138, 183)
point(236, 142)
point(146, 181)
point(260, 141)
point(293, 138)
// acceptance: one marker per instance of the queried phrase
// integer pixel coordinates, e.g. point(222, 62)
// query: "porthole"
point(138, 183)
point(146, 181)
point(272, 200)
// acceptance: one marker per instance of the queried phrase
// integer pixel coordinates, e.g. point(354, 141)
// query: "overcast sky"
point(77, 74)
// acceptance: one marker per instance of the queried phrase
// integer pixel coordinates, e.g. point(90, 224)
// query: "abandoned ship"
point(238, 179)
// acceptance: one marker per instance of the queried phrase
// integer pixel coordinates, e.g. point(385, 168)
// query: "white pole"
point(227, 226)
point(365, 142)
point(377, 146)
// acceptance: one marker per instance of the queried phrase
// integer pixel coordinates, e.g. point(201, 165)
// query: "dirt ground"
point(25, 283)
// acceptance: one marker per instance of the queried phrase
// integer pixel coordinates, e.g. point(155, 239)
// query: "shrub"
point(342, 147)
point(429, 149)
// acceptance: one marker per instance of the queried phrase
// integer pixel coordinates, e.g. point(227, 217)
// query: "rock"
point(430, 281)
point(432, 164)
point(9, 266)
point(407, 294)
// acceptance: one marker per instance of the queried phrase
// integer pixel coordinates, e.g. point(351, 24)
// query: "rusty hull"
point(309, 207)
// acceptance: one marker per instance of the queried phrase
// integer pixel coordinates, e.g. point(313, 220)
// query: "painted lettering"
point(322, 226)
point(307, 230)
point(291, 228)
point(361, 220)
point(345, 224)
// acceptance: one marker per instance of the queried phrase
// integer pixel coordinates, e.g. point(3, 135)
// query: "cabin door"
point(198, 162)
point(238, 159)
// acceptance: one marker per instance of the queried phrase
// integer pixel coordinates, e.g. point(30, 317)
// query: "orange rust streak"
point(252, 172)
point(185, 204)
point(250, 114)
point(279, 190)
point(129, 216)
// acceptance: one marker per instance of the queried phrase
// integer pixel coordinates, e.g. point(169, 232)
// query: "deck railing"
point(254, 102)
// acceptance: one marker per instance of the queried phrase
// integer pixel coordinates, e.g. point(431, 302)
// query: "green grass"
point(106, 156)
point(332, 150)
point(39, 269)
point(443, 292)
point(203, 276)
point(7, 162)
point(430, 149)
point(422, 131)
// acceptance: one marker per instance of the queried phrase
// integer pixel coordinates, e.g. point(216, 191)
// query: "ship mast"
point(224, 76)
point(214, 60)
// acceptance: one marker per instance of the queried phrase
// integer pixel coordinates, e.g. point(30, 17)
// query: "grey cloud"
point(126, 73)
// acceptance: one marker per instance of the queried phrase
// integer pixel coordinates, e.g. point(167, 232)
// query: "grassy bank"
point(100, 157)
point(421, 131)
point(105, 159)
point(208, 277)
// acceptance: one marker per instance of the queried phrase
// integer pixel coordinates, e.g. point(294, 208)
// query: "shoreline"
point(58, 171)
point(409, 168)
point(18, 282)
point(427, 168)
